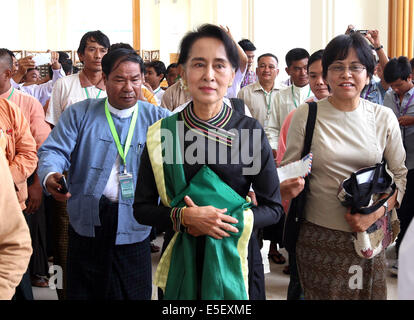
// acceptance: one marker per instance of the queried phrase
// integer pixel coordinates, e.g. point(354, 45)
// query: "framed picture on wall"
point(174, 57)
point(19, 54)
point(146, 55)
point(155, 55)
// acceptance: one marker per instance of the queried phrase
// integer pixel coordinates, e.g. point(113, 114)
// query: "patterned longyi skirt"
point(330, 269)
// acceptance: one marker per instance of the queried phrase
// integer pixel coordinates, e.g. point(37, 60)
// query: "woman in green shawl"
point(201, 163)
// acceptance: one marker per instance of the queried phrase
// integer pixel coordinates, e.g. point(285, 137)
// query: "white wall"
point(174, 22)
point(60, 24)
point(274, 26)
point(282, 25)
point(165, 22)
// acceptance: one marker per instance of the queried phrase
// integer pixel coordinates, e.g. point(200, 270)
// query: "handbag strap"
point(310, 126)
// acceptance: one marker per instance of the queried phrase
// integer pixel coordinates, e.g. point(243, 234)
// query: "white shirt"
point(235, 87)
point(111, 190)
point(285, 83)
point(158, 93)
point(406, 265)
point(284, 103)
point(42, 91)
point(257, 100)
point(67, 91)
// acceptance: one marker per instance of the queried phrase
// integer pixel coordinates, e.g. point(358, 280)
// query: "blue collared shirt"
point(392, 101)
point(82, 144)
point(374, 92)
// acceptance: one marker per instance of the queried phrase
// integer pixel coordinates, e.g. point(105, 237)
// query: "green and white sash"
point(225, 269)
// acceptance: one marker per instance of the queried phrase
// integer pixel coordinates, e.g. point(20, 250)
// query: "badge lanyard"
point(87, 94)
point(293, 96)
point(10, 95)
point(122, 153)
point(403, 112)
point(368, 92)
point(268, 103)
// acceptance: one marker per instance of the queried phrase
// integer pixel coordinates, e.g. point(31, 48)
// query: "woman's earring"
point(183, 84)
point(230, 84)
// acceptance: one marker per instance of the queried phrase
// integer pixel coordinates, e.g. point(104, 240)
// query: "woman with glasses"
point(350, 133)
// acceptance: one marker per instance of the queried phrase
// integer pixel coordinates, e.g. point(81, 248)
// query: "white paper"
point(365, 177)
point(300, 168)
point(42, 58)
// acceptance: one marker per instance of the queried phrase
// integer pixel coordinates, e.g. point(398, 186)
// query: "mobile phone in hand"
point(42, 58)
point(64, 186)
point(363, 32)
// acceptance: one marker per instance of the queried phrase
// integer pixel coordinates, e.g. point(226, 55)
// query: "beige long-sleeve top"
point(259, 102)
point(284, 103)
point(175, 96)
point(15, 242)
point(344, 142)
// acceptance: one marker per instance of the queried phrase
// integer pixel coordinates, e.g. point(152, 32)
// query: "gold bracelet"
point(182, 217)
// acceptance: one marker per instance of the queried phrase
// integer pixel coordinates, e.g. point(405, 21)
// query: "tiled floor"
point(276, 281)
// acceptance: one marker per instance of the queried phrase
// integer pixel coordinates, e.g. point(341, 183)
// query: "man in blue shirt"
point(376, 89)
point(400, 99)
point(99, 142)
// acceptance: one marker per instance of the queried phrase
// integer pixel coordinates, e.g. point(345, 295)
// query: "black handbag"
point(358, 190)
point(297, 205)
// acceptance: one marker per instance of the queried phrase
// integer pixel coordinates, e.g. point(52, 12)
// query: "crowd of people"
point(97, 162)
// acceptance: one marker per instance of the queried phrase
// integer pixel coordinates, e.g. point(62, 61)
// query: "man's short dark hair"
point(11, 53)
point(296, 54)
point(338, 49)
point(268, 55)
point(247, 45)
point(397, 69)
point(412, 64)
point(172, 65)
point(316, 56)
point(209, 31)
point(118, 56)
point(6, 58)
point(158, 66)
point(98, 36)
point(120, 45)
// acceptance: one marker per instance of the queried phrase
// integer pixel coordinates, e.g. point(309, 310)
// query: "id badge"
point(127, 186)
point(266, 122)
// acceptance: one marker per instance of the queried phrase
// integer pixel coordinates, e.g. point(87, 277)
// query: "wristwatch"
point(385, 205)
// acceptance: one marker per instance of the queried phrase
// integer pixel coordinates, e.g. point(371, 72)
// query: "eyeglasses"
point(354, 69)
